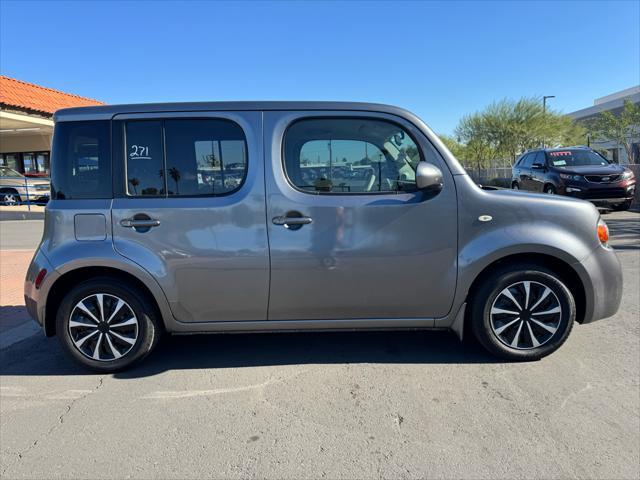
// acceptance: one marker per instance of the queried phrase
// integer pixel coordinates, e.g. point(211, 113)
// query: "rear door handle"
point(139, 223)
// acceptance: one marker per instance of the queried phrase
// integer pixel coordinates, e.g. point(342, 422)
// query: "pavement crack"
point(588, 386)
point(67, 408)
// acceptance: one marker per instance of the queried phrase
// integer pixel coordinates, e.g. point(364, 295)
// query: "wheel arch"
point(564, 270)
point(74, 276)
point(4, 190)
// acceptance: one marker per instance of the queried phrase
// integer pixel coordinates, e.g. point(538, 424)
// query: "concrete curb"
point(7, 215)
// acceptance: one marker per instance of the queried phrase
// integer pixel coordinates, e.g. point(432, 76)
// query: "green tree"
point(621, 128)
point(473, 133)
point(453, 145)
point(508, 127)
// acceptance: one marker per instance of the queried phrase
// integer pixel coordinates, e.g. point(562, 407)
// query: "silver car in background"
point(290, 216)
point(15, 188)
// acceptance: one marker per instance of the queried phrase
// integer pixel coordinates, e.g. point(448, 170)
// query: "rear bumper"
point(35, 299)
point(601, 275)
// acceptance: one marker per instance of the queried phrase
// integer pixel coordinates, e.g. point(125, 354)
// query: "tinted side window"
point(522, 161)
point(350, 155)
point(538, 158)
point(204, 157)
point(145, 158)
point(81, 160)
point(528, 160)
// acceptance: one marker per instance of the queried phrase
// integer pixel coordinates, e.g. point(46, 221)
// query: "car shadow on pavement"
point(12, 315)
point(40, 356)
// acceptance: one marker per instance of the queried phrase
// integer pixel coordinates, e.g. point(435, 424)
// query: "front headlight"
point(568, 176)
point(627, 175)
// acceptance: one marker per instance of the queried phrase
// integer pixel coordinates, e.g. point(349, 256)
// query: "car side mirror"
point(537, 166)
point(428, 177)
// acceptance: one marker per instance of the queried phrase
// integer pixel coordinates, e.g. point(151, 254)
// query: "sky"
point(440, 60)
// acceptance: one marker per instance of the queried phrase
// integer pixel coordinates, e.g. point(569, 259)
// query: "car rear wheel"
point(9, 197)
point(550, 190)
point(107, 326)
point(523, 312)
point(515, 186)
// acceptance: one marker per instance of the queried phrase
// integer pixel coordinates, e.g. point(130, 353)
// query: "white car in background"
point(15, 188)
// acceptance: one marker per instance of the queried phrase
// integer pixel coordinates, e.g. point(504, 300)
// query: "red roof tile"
point(28, 96)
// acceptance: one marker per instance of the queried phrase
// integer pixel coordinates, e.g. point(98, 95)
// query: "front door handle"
point(292, 222)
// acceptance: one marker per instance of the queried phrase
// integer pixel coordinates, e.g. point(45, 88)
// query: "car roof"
point(555, 149)
point(573, 147)
point(104, 112)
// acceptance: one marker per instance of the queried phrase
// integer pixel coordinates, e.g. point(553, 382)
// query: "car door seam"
point(266, 211)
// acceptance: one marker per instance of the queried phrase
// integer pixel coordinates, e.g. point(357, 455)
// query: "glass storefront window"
point(42, 164)
point(10, 160)
point(28, 160)
point(33, 164)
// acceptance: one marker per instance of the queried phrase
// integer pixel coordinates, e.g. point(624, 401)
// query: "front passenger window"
point(350, 155)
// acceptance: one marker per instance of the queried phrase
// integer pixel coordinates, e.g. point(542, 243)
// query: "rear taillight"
point(41, 274)
point(603, 233)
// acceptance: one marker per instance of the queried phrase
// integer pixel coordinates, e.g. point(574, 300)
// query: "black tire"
point(550, 189)
point(9, 193)
point(515, 186)
point(622, 206)
point(483, 299)
point(148, 328)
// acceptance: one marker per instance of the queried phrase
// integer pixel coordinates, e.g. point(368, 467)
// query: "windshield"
point(572, 158)
point(8, 172)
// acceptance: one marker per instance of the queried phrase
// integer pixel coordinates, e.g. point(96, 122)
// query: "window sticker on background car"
point(559, 154)
point(559, 163)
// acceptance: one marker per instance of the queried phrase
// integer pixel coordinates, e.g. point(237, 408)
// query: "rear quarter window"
point(81, 161)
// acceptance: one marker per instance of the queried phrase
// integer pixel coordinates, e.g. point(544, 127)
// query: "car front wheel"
point(524, 312)
point(107, 326)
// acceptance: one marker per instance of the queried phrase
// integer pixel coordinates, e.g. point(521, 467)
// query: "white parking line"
point(19, 333)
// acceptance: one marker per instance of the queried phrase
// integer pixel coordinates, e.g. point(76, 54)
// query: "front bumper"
point(37, 197)
point(609, 201)
point(602, 194)
point(601, 275)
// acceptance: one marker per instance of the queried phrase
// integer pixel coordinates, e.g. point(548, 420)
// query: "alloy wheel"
point(103, 327)
point(525, 315)
point(9, 199)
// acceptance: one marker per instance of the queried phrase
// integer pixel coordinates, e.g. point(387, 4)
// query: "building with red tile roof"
point(26, 123)
point(29, 97)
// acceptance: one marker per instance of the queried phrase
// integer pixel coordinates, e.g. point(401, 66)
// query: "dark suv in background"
point(578, 172)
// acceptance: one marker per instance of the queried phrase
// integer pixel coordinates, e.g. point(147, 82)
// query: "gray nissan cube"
point(289, 216)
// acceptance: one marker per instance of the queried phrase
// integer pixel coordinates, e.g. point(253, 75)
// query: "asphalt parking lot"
point(334, 405)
